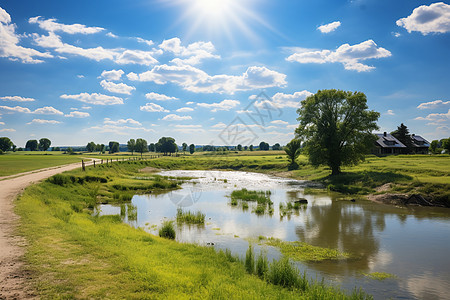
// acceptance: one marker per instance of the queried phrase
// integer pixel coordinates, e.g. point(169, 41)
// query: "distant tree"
point(57, 148)
point(131, 145)
point(90, 147)
point(113, 147)
point(264, 146)
point(191, 148)
point(239, 147)
point(100, 148)
point(13, 147)
point(69, 150)
point(32, 145)
point(166, 145)
point(433, 146)
point(336, 127)
point(402, 134)
point(5, 144)
point(276, 147)
point(245, 148)
point(20, 149)
point(250, 148)
point(141, 146)
point(151, 147)
point(292, 150)
point(44, 144)
point(446, 145)
point(184, 145)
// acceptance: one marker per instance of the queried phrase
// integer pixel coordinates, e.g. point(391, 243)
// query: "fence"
point(111, 160)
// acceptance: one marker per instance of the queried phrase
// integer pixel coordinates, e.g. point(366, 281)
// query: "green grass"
point(24, 161)
point(167, 230)
point(305, 252)
point(189, 217)
point(75, 254)
point(262, 199)
point(379, 275)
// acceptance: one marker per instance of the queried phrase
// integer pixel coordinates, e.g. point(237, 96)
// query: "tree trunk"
point(335, 170)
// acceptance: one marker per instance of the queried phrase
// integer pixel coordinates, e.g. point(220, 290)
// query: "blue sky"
point(215, 71)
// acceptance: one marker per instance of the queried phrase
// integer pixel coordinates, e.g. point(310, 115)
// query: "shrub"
point(284, 274)
point(167, 230)
point(249, 260)
point(262, 266)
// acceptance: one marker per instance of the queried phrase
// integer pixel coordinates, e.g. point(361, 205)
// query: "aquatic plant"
point(189, 217)
point(167, 230)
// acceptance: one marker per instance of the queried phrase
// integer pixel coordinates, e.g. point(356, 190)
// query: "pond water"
point(411, 243)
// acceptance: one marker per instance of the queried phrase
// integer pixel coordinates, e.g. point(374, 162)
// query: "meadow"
point(74, 253)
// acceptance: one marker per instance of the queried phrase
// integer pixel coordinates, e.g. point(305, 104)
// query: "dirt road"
point(14, 277)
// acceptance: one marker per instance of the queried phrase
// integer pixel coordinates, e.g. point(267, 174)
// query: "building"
point(420, 145)
point(387, 144)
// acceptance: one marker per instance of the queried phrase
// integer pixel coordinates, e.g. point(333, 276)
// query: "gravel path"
point(14, 276)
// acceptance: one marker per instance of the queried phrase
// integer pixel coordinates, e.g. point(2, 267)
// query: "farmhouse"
point(420, 145)
point(387, 144)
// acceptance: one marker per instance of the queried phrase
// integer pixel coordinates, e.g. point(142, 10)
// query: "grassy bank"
point(76, 254)
point(18, 162)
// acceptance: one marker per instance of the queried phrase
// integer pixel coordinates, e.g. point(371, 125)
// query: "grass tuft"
point(167, 230)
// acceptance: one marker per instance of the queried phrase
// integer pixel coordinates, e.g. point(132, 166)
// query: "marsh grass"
point(189, 217)
point(379, 275)
point(167, 230)
point(262, 199)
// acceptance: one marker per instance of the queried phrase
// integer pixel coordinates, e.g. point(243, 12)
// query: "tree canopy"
point(292, 150)
point(191, 148)
point(5, 144)
point(90, 147)
point(402, 134)
point(44, 144)
point(276, 147)
point(32, 145)
point(263, 146)
point(131, 144)
point(151, 147)
point(113, 147)
point(166, 145)
point(336, 127)
point(141, 146)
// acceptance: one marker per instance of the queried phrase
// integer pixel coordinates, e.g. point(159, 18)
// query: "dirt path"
point(14, 277)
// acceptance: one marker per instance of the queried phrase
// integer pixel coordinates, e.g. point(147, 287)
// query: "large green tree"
point(402, 134)
point(5, 144)
point(184, 145)
point(151, 147)
point(166, 145)
point(44, 144)
point(32, 145)
point(141, 146)
point(90, 147)
point(292, 150)
point(131, 145)
point(191, 148)
point(336, 127)
point(113, 147)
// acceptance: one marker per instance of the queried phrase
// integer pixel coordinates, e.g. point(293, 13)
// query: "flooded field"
point(411, 243)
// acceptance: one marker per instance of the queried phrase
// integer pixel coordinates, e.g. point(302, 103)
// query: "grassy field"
point(24, 161)
point(74, 253)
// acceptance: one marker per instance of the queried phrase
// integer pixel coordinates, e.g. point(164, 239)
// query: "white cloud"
point(349, 56)
point(51, 25)
point(196, 80)
point(433, 104)
point(40, 121)
point(138, 57)
point(159, 97)
point(48, 110)
point(141, 40)
point(223, 105)
point(110, 34)
point(390, 112)
point(188, 126)
point(185, 109)
point(436, 118)
point(112, 75)
point(2, 123)
point(7, 130)
point(396, 34)
point(86, 107)
point(152, 107)
point(279, 122)
point(189, 103)
point(94, 98)
point(194, 52)
point(121, 122)
point(281, 100)
point(119, 88)
point(19, 109)
point(17, 99)
point(327, 28)
point(174, 117)
point(119, 130)
point(9, 41)
point(80, 76)
point(428, 19)
point(244, 111)
point(219, 125)
point(77, 114)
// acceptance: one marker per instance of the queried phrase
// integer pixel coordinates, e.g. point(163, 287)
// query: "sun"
point(213, 9)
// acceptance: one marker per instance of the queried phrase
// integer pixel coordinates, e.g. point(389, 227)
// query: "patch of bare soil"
point(149, 170)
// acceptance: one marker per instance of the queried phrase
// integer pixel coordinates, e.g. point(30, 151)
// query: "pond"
point(411, 243)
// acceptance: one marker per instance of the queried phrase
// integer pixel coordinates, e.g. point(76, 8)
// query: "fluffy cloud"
point(141, 40)
point(19, 109)
point(40, 121)
point(436, 119)
point(219, 125)
point(185, 109)
point(433, 104)
point(9, 41)
point(281, 100)
point(94, 98)
point(349, 56)
point(112, 75)
point(194, 52)
point(174, 117)
point(223, 105)
point(152, 107)
point(17, 99)
point(136, 57)
point(48, 110)
point(279, 122)
point(390, 112)
point(121, 122)
point(428, 19)
point(7, 130)
point(327, 28)
point(196, 80)
point(77, 114)
point(51, 25)
point(119, 88)
point(159, 97)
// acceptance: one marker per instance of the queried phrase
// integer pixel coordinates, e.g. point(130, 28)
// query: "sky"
point(222, 72)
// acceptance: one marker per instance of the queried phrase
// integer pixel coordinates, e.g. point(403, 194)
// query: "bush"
point(167, 230)
point(262, 266)
point(59, 179)
point(249, 260)
point(284, 274)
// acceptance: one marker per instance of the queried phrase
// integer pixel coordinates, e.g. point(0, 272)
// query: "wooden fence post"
point(94, 163)
point(82, 165)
